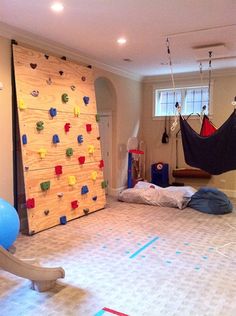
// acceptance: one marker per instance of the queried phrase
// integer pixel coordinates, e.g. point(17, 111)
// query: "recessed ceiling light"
point(57, 7)
point(121, 41)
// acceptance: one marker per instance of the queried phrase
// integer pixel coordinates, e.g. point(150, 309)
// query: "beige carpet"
point(135, 260)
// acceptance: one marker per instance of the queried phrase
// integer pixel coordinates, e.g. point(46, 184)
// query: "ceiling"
point(91, 28)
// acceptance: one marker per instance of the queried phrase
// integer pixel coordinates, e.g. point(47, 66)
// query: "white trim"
point(56, 48)
point(115, 192)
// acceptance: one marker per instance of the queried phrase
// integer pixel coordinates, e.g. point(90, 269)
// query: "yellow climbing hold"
point(71, 180)
point(22, 105)
point(76, 111)
point(42, 152)
point(91, 149)
point(94, 175)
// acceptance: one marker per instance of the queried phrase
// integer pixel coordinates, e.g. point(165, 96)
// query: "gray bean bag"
point(211, 201)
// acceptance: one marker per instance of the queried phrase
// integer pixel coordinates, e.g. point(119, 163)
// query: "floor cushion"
point(211, 201)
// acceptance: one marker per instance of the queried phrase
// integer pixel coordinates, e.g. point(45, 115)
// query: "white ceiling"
point(91, 27)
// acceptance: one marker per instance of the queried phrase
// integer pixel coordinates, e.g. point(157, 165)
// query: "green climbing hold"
point(65, 98)
point(97, 117)
point(104, 184)
point(69, 152)
point(45, 185)
point(40, 125)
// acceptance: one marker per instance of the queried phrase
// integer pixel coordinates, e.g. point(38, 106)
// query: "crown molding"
point(55, 48)
point(191, 75)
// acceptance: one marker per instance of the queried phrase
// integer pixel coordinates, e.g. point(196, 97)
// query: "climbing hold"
point(65, 98)
point(55, 139)
point(84, 189)
point(22, 105)
point(88, 128)
point(80, 139)
point(46, 212)
point(24, 139)
point(46, 56)
point(53, 112)
point(94, 175)
point(67, 127)
point(83, 78)
point(69, 152)
point(98, 138)
point(33, 66)
point(81, 160)
point(101, 164)
point(45, 185)
point(74, 204)
point(35, 93)
point(73, 87)
point(63, 220)
point(61, 72)
point(71, 180)
point(90, 149)
point(94, 198)
point(30, 203)
point(104, 184)
point(63, 57)
point(49, 81)
point(86, 100)
point(26, 168)
point(40, 126)
point(76, 111)
point(60, 194)
point(86, 211)
point(58, 170)
point(42, 152)
point(97, 117)
point(89, 66)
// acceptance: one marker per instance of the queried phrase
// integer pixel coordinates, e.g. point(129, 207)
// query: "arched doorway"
point(106, 108)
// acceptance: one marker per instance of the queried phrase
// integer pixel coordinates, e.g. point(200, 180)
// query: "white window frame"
point(181, 87)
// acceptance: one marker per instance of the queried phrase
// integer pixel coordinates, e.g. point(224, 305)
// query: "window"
point(191, 100)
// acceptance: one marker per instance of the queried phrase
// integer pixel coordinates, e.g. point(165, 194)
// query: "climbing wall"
point(60, 143)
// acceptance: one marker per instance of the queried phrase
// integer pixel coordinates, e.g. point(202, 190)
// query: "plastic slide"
point(42, 279)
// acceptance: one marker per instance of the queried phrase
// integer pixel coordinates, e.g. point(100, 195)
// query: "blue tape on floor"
point(144, 247)
point(100, 313)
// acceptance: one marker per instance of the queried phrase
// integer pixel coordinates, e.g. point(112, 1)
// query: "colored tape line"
point(109, 310)
point(144, 247)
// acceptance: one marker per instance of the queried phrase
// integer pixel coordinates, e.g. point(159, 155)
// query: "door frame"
point(109, 167)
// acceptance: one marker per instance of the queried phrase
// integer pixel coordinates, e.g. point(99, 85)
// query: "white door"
point(105, 131)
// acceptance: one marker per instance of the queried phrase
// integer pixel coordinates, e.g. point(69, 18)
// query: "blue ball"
point(9, 224)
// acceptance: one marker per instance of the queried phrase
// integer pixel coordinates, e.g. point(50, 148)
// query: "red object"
point(81, 160)
point(207, 128)
point(74, 204)
point(136, 151)
point(67, 127)
point(58, 170)
point(88, 128)
point(101, 164)
point(112, 311)
point(30, 203)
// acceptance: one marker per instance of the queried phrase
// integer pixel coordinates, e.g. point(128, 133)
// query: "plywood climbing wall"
point(60, 143)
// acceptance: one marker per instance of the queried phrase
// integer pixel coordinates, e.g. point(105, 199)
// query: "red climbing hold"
point(88, 128)
point(101, 164)
point(67, 127)
point(81, 160)
point(58, 170)
point(74, 204)
point(30, 203)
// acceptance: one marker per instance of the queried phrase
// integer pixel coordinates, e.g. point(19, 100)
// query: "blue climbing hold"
point(80, 139)
point(24, 139)
point(63, 220)
point(86, 100)
point(55, 139)
point(84, 189)
point(53, 112)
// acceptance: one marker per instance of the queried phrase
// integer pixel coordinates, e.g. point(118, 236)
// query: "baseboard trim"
point(115, 191)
